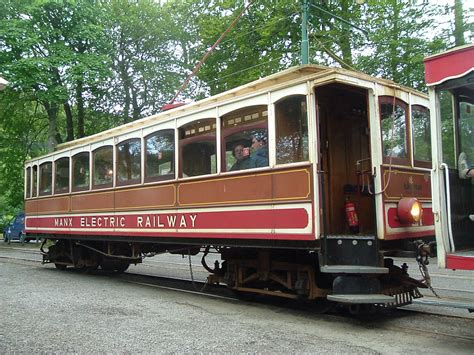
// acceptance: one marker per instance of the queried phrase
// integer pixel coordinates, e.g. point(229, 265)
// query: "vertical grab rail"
point(444, 167)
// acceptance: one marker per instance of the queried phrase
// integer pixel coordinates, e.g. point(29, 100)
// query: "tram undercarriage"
point(295, 274)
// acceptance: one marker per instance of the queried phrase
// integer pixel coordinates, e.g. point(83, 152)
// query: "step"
point(353, 269)
point(359, 299)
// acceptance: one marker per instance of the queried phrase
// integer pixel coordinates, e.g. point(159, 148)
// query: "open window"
point(34, 189)
point(291, 130)
point(245, 138)
point(159, 156)
point(197, 142)
point(80, 172)
point(393, 116)
point(46, 179)
point(103, 172)
point(28, 182)
point(466, 125)
point(129, 162)
point(61, 175)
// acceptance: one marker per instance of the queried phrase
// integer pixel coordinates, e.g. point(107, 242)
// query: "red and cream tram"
point(450, 80)
point(298, 181)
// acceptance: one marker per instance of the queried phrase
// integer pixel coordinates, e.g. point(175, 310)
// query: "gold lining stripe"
point(244, 177)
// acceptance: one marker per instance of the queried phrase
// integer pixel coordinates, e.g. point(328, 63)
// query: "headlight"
point(409, 210)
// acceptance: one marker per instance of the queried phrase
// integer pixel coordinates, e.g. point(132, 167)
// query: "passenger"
point(465, 168)
point(259, 155)
point(242, 157)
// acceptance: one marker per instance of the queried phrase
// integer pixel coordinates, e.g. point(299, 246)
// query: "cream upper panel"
point(211, 113)
point(252, 101)
point(301, 89)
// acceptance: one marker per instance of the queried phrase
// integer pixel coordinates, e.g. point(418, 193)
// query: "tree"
point(53, 50)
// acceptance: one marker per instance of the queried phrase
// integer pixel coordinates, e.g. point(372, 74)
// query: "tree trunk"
point(346, 37)
point(54, 138)
point(69, 122)
point(458, 24)
point(80, 109)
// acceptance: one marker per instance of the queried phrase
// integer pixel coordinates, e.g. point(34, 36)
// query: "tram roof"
point(285, 78)
point(452, 64)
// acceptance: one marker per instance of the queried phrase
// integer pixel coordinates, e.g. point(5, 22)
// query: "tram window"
point(159, 157)
point(28, 182)
point(61, 177)
point(103, 167)
point(446, 104)
point(291, 130)
point(129, 162)
point(420, 118)
point(394, 135)
point(80, 172)
point(198, 148)
point(466, 128)
point(34, 190)
point(245, 133)
point(46, 179)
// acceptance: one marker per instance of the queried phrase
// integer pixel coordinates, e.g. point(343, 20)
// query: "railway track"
point(172, 275)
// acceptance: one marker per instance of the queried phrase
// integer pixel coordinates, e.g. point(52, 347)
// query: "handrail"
point(444, 166)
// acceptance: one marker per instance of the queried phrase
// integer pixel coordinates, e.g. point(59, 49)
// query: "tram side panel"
point(265, 205)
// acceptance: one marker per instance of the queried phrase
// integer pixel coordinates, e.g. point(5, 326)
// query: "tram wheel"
point(117, 266)
point(60, 266)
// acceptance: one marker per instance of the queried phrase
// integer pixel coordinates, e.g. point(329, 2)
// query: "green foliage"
point(77, 67)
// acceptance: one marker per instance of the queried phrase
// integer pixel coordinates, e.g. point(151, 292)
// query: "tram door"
point(344, 153)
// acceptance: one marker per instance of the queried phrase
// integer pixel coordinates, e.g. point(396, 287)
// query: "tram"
point(450, 79)
point(301, 184)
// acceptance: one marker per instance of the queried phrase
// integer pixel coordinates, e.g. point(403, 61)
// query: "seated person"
point(466, 170)
point(260, 150)
point(242, 156)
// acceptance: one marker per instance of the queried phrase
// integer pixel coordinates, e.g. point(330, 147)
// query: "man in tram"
point(466, 170)
point(242, 158)
point(260, 150)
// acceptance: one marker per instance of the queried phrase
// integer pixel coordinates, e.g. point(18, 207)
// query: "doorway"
point(344, 155)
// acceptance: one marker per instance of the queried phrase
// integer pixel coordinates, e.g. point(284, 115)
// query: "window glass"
point(198, 148)
point(46, 179)
point(28, 182)
point(80, 172)
point(35, 181)
point(159, 157)
point(291, 130)
point(103, 167)
point(466, 129)
point(129, 162)
point(245, 138)
point(420, 117)
point(447, 129)
point(61, 179)
point(394, 129)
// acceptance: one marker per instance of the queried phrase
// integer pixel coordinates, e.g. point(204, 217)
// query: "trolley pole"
point(304, 33)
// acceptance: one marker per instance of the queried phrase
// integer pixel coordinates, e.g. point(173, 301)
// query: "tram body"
point(450, 78)
point(322, 140)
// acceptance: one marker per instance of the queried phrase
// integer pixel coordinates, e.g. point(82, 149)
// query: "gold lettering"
point(193, 219)
point(171, 220)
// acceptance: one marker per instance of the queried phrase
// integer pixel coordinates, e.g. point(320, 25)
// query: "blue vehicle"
point(15, 230)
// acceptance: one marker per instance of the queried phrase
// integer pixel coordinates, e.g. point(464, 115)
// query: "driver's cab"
point(450, 79)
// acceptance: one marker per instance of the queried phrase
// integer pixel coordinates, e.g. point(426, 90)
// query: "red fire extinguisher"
point(351, 216)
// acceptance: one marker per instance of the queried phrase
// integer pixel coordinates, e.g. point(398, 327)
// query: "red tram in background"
point(450, 80)
point(301, 182)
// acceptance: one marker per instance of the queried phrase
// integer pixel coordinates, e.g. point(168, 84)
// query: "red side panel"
point(449, 65)
point(459, 262)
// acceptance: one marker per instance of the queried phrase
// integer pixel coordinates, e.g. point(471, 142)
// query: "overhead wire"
point(209, 52)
